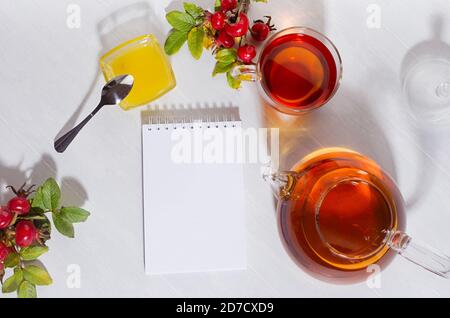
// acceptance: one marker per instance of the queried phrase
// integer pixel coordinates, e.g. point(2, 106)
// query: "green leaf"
point(222, 68)
point(74, 214)
point(32, 252)
point(27, 290)
point(36, 275)
point(47, 196)
point(227, 56)
point(233, 82)
point(38, 200)
point(217, 5)
point(195, 42)
point(175, 41)
point(194, 10)
point(63, 226)
point(180, 21)
point(52, 194)
point(12, 260)
point(11, 284)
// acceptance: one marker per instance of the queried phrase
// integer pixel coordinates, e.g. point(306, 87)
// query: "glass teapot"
point(339, 213)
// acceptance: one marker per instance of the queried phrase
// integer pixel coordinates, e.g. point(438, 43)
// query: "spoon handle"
point(63, 142)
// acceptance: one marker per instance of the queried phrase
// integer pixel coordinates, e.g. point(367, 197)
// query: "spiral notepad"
point(193, 206)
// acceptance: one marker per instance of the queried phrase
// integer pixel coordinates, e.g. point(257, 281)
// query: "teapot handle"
point(420, 254)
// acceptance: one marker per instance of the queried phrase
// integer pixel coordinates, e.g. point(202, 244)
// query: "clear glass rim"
point(439, 118)
point(324, 40)
point(111, 54)
point(370, 256)
point(376, 250)
point(146, 40)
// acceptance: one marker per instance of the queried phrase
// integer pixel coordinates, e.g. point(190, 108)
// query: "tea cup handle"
point(247, 73)
point(420, 254)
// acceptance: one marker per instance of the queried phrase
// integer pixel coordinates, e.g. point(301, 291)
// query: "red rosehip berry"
point(225, 40)
point(239, 28)
point(19, 205)
point(4, 251)
point(247, 53)
point(260, 31)
point(26, 233)
point(228, 5)
point(6, 217)
point(2, 267)
point(218, 20)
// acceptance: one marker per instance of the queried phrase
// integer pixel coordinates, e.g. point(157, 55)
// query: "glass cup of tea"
point(339, 213)
point(298, 70)
point(427, 89)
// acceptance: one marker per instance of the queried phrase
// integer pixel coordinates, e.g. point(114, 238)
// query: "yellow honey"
point(143, 58)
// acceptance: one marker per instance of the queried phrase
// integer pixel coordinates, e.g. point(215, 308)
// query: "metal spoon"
point(112, 94)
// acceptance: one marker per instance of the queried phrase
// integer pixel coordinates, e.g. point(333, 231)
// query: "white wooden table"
point(49, 73)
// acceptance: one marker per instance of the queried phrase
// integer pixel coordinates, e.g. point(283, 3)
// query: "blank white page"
point(193, 212)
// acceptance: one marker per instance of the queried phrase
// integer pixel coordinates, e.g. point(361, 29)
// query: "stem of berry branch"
point(37, 217)
point(244, 6)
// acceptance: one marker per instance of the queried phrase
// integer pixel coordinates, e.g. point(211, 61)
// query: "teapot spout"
point(282, 183)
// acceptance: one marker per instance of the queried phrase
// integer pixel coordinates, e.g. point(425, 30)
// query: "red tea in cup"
point(298, 71)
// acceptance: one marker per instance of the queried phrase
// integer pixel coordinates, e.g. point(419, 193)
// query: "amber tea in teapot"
point(339, 213)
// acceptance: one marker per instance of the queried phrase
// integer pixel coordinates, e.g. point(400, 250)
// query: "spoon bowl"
point(115, 91)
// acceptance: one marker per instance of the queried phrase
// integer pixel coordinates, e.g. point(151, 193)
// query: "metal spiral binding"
point(171, 117)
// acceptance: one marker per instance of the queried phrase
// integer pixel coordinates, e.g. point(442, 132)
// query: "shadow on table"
point(128, 23)
point(427, 134)
point(306, 13)
point(178, 5)
point(76, 115)
point(118, 27)
point(433, 48)
point(72, 191)
point(346, 121)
